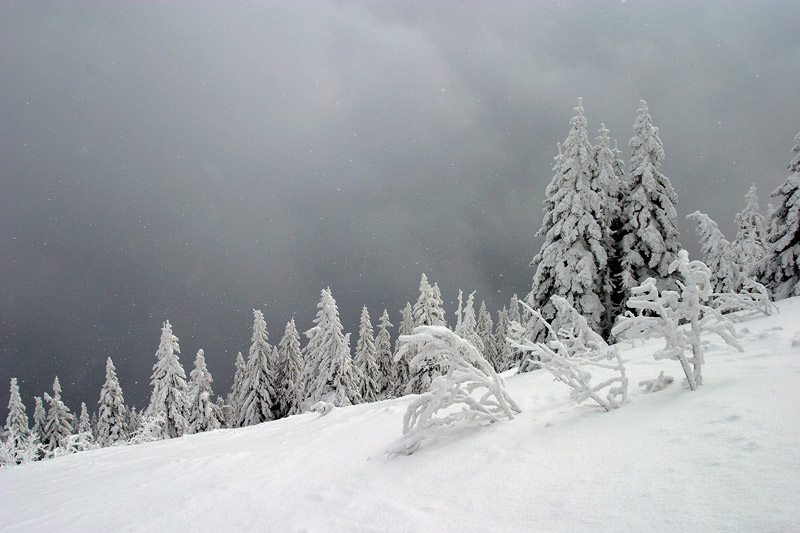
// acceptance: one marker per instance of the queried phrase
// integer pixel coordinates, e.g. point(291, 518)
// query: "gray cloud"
point(192, 161)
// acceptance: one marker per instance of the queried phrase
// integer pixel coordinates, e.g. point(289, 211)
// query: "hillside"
point(723, 458)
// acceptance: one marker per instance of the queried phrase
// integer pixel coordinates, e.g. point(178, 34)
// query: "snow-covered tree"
point(290, 395)
point(485, 330)
point(170, 394)
point(20, 438)
point(717, 254)
point(329, 373)
point(779, 270)
point(133, 421)
point(59, 421)
point(204, 414)
point(428, 311)
point(258, 397)
point(573, 353)
point(670, 309)
point(464, 372)
point(387, 373)
point(751, 237)
point(467, 326)
point(505, 350)
point(573, 259)
point(365, 359)
point(39, 418)
point(84, 423)
point(650, 232)
point(111, 419)
point(236, 395)
point(402, 372)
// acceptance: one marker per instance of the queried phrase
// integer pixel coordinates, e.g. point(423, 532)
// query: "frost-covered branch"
point(465, 372)
point(753, 299)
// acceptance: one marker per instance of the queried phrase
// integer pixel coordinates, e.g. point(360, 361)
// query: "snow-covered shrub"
point(464, 372)
point(752, 299)
point(665, 312)
point(654, 385)
point(150, 429)
point(322, 408)
point(573, 351)
point(79, 442)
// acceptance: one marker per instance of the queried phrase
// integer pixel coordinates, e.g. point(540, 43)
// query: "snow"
point(722, 458)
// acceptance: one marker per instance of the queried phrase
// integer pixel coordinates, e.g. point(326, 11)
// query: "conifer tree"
point(39, 418)
point(85, 436)
point(133, 421)
point(650, 233)
point(204, 414)
point(717, 254)
point(259, 391)
point(505, 351)
point(751, 237)
point(428, 311)
point(58, 424)
point(20, 436)
point(365, 359)
point(291, 358)
point(111, 420)
point(402, 372)
point(387, 374)
point(236, 395)
point(572, 262)
point(329, 373)
point(779, 271)
point(169, 394)
point(514, 314)
point(485, 331)
point(467, 327)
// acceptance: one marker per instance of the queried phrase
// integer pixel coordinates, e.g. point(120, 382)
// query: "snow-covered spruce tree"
point(485, 331)
point(204, 414)
point(670, 309)
point(111, 419)
point(235, 396)
point(170, 394)
point(505, 350)
point(717, 254)
point(610, 186)
point(84, 423)
point(779, 270)
point(258, 396)
point(467, 326)
point(428, 311)
point(573, 260)
point(402, 372)
point(39, 418)
point(20, 438)
point(751, 237)
point(650, 232)
point(464, 371)
point(329, 373)
point(383, 358)
point(290, 389)
point(133, 421)
point(573, 352)
point(58, 424)
point(365, 359)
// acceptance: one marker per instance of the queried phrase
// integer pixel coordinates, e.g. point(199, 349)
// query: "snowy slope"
point(723, 458)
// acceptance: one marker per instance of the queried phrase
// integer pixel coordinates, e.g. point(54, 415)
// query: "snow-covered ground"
point(723, 458)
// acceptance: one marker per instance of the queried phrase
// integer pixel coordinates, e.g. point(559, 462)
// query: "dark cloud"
point(192, 161)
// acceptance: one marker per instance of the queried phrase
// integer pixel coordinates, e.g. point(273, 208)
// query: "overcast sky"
point(192, 161)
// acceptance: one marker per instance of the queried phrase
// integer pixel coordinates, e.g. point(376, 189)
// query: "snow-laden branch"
point(753, 299)
point(572, 352)
point(465, 371)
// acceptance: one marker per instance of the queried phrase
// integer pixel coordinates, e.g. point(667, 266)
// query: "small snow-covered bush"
point(572, 352)
point(654, 385)
point(752, 299)
point(670, 309)
point(151, 429)
point(464, 372)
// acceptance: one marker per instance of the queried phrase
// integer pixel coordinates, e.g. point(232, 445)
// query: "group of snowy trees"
point(610, 266)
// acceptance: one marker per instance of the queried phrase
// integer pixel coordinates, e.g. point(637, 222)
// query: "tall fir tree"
point(485, 330)
point(366, 358)
point(112, 415)
point(85, 425)
point(329, 373)
point(39, 418)
point(428, 311)
point(467, 327)
point(779, 270)
point(236, 395)
point(170, 395)
point(58, 425)
point(751, 236)
point(402, 371)
point(291, 359)
point(717, 254)
point(17, 420)
point(650, 231)
point(387, 373)
point(572, 262)
point(505, 352)
point(258, 396)
point(204, 414)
